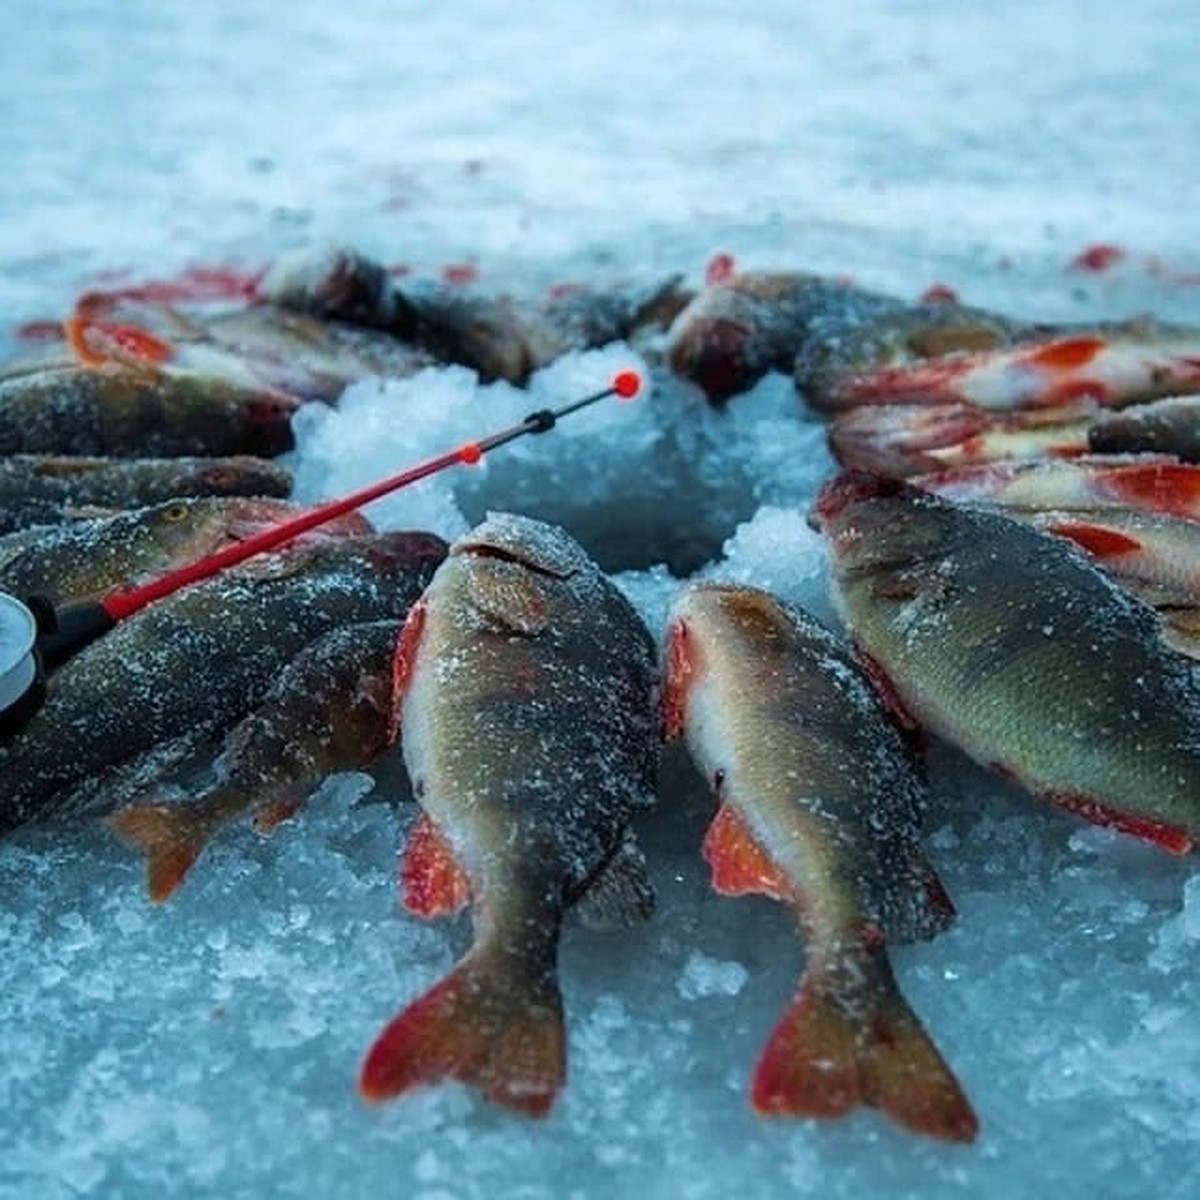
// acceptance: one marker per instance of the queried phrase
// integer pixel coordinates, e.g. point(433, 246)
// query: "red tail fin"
point(483, 1025)
point(170, 835)
point(828, 1056)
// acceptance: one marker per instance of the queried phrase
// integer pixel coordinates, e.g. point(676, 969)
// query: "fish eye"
point(176, 513)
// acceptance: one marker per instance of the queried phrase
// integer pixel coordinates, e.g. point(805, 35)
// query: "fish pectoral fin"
point(1100, 541)
point(833, 1052)
point(620, 895)
point(677, 671)
point(1172, 838)
point(431, 879)
point(740, 866)
point(493, 1024)
point(510, 599)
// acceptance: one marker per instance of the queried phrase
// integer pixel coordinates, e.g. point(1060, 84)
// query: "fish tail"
point(832, 1053)
point(172, 837)
point(493, 1027)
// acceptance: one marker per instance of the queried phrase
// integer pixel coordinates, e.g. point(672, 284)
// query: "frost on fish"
point(130, 412)
point(50, 489)
point(912, 439)
point(1011, 644)
point(85, 559)
point(820, 803)
point(845, 343)
point(198, 661)
point(525, 694)
point(329, 710)
point(739, 328)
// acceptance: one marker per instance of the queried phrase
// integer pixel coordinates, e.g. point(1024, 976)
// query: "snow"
point(210, 1047)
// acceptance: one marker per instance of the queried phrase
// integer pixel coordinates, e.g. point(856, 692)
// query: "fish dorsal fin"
point(432, 881)
point(509, 597)
point(740, 866)
point(620, 895)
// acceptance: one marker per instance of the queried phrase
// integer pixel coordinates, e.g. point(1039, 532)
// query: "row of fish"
point(909, 388)
point(522, 691)
point(134, 377)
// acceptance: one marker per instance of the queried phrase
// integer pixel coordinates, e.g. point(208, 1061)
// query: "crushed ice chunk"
point(703, 976)
point(1178, 939)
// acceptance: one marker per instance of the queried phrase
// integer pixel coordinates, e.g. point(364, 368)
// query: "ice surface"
point(210, 1048)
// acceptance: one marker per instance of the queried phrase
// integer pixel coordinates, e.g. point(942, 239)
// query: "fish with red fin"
point(820, 804)
point(1011, 644)
point(526, 694)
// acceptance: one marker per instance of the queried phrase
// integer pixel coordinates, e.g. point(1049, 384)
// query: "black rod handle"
point(76, 626)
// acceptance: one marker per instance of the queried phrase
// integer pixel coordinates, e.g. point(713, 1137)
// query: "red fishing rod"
point(34, 632)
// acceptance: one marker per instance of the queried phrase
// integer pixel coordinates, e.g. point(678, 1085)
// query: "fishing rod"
point(36, 636)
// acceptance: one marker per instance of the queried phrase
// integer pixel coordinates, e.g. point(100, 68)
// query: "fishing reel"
point(22, 675)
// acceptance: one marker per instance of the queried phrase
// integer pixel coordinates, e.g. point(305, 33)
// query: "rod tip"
point(627, 384)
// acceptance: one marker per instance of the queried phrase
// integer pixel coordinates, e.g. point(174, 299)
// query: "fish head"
point(188, 528)
point(516, 569)
point(541, 547)
point(874, 523)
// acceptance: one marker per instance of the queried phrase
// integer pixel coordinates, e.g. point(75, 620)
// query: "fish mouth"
point(508, 554)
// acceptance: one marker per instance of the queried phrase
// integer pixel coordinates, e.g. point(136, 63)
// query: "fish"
point(1150, 483)
point(135, 411)
point(737, 329)
point(846, 344)
point(526, 704)
point(334, 282)
point(310, 359)
point(1112, 366)
point(915, 439)
point(501, 337)
point(330, 710)
point(86, 559)
point(1167, 426)
point(50, 489)
point(821, 800)
point(196, 662)
point(1011, 644)
point(498, 336)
